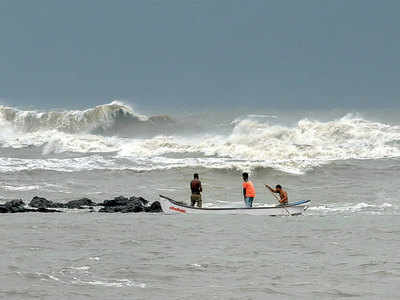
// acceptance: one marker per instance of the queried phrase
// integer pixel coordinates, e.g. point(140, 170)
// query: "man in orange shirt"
point(249, 192)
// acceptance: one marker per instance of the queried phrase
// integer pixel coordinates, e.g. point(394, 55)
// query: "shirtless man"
point(278, 190)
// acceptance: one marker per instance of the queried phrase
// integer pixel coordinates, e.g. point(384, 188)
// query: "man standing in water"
point(249, 192)
point(195, 186)
point(278, 190)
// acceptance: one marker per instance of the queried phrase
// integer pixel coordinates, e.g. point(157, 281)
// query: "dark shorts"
point(196, 198)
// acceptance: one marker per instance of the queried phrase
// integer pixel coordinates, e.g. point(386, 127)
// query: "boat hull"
point(171, 206)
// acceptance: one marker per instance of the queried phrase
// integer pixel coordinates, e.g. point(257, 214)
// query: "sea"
point(345, 245)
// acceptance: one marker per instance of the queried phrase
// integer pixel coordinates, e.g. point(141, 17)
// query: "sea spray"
point(99, 119)
point(251, 142)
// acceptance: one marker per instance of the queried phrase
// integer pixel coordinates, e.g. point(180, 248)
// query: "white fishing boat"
point(292, 209)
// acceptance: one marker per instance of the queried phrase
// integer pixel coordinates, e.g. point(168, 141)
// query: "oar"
point(276, 197)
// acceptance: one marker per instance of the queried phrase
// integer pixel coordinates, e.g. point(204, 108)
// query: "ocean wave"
point(98, 162)
point(295, 149)
point(113, 118)
point(252, 143)
point(20, 188)
point(309, 142)
point(93, 162)
point(69, 276)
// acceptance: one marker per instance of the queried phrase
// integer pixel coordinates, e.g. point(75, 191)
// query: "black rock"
point(79, 203)
point(131, 207)
point(118, 204)
point(39, 202)
point(141, 199)
point(124, 205)
point(135, 205)
point(117, 201)
point(111, 209)
point(155, 207)
point(14, 206)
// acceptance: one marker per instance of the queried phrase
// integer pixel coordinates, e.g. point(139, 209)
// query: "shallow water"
point(141, 256)
point(346, 245)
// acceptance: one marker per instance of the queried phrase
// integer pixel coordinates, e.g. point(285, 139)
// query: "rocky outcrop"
point(39, 202)
point(18, 206)
point(155, 207)
point(117, 201)
point(14, 206)
point(124, 205)
point(119, 204)
point(80, 203)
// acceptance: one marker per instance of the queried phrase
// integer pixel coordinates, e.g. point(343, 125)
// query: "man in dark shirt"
point(195, 186)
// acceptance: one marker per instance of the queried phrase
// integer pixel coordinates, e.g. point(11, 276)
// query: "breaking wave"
point(109, 118)
point(251, 143)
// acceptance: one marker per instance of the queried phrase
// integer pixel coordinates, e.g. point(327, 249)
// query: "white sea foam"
point(94, 258)
point(252, 143)
point(76, 121)
point(291, 149)
point(66, 278)
point(20, 188)
point(351, 208)
point(111, 283)
point(94, 162)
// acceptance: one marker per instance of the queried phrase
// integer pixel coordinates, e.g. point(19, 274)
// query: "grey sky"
point(264, 53)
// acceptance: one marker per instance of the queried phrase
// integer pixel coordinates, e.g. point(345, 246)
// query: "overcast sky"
point(202, 53)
